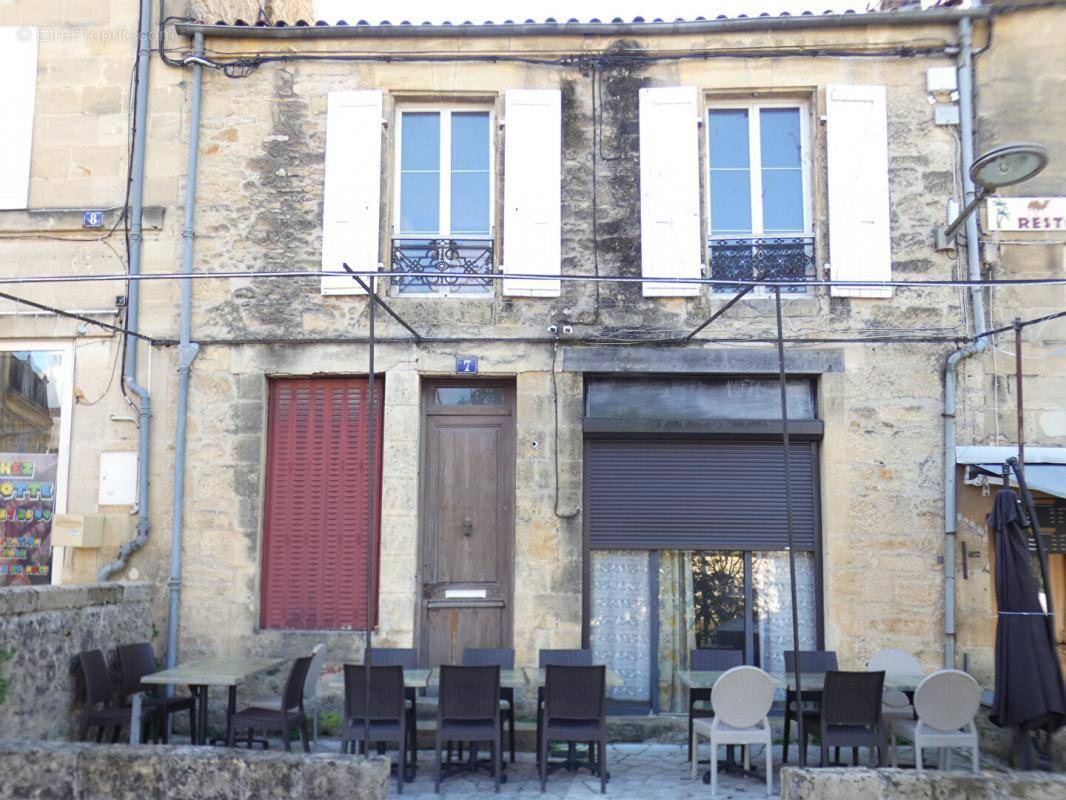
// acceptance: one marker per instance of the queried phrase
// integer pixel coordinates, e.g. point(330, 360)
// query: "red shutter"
point(315, 514)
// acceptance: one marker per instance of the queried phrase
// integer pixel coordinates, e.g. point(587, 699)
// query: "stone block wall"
point(125, 772)
point(898, 784)
point(42, 630)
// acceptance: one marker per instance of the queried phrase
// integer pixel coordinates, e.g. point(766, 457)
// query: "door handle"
point(468, 528)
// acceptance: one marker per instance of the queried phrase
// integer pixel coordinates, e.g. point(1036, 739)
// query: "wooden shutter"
point(670, 190)
point(532, 190)
point(18, 65)
point(315, 514)
point(698, 494)
point(351, 213)
point(857, 145)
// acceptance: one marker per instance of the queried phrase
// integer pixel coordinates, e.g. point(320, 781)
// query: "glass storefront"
point(649, 608)
point(34, 385)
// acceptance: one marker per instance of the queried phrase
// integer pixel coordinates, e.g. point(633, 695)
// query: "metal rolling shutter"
point(697, 494)
point(315, 515)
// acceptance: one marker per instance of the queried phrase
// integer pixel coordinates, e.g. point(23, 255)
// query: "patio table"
point(535, 677)
point(198, 676)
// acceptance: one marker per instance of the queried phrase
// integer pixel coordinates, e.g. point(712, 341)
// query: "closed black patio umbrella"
point(1029, 688)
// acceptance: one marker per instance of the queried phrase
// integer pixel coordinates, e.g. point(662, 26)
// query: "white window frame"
point(755, 174)
point(445, 200)
point(66, 407)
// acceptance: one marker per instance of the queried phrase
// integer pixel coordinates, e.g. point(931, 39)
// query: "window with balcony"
point(759, 193)
point(444, 201)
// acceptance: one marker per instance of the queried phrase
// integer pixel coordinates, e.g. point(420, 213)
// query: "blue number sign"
point(92, 219)
point(466, 364)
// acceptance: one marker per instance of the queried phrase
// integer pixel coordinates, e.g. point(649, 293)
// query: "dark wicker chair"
point(387, 715)
point(574, 699)
point(699, 700)
point(809, 661)
point(138, 660)
point(468, 710)
point(851, 714)
point(561, 658)
point(406, 657)
point(289, 718)
point(504, 659)
point(99, 713)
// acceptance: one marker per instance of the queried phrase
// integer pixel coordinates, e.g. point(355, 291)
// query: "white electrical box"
point(118, 478)
point(946, 114)
point(77, 530)
point(941, 79)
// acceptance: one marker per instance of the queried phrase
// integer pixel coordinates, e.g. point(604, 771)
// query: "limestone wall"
point(42, 630)
point(898, 784)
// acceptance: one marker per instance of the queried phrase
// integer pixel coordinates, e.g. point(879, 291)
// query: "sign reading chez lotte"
point(1027, 213)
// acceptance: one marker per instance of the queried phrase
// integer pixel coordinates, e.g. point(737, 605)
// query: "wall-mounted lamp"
point(1002, 166)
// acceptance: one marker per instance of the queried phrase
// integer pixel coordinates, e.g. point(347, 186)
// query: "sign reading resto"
point(1027, 213)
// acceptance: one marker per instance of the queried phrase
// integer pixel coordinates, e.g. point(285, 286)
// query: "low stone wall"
point(125, 772)
point(907, 784)
point(42, 630)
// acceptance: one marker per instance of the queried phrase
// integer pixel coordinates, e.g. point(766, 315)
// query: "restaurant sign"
point(27, 504)
point(1027, 213)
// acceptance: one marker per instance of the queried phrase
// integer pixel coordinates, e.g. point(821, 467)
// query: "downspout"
point(977, 303)
point(187, 352)
point(129, 369)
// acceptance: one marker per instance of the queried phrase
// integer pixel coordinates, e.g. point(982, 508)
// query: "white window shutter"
point(857, 150)
point(532, 190)
point(18, 66)
point(351, 214)
point(670, 244)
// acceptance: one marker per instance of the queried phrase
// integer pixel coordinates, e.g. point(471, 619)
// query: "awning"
point(1045, 467)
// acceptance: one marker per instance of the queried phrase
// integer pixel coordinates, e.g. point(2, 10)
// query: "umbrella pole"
point(791, 535)
point(371, 473)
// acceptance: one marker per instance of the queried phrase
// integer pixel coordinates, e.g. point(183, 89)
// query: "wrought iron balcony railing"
point(778, 257)
point(455, 265)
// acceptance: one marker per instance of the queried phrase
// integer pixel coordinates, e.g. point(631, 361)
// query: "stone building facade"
point(869, 368)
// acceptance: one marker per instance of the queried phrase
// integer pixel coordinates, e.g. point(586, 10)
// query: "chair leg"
point(918, 756)
point(769, 767)
point(542, 755)
point(945, 758)
point(436, 761)
point(693, 750)
point(714, 767)
point(286, 739)
point(854, 756)
point(603, 763)
point(824, 752)
point(231, 732)
point(304, 736)
point(497, 761)
point(975, 758)
point(192, 724)
point(510, 733)
point(788, 725)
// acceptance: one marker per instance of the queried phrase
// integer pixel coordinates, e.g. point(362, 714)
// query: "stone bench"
point(179, 772)
point(908, 784)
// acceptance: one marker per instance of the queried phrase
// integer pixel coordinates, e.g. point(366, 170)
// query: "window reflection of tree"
point(718, 596)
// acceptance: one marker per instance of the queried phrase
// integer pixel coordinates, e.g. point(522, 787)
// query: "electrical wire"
point(555, 447)
point(111, 380)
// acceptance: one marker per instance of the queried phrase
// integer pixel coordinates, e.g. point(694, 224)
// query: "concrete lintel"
point(733, 361)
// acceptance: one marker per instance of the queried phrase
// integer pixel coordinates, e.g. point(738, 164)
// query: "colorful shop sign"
point(1027, 213)
point(27, 503)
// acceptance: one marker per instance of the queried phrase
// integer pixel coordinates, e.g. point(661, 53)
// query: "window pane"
point(470, 140)
point(729, 138)
point(419, 202)
point(420, 141)
point(730, 202)
point(470, 203)
point(782, 200)
point(620, 620)
point(697, 398)
point(31, 388)
point(772, 606)
point(780, 131)
point(469, 396)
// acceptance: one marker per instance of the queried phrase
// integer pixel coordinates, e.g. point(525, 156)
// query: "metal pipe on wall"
point(129, 369)
point(977, 304)
point(187, 352)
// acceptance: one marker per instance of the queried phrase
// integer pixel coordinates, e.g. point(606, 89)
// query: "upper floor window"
point(444, 200)
point(759, 192)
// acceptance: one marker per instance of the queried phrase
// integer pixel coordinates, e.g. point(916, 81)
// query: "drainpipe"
point(977, 304)
point(144, 409)
point(187, 352)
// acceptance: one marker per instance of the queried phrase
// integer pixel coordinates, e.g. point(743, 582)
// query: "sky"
point(520, 10)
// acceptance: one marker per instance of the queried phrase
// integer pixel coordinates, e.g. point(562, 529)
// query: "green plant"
point(5, 655)
point(329, 723)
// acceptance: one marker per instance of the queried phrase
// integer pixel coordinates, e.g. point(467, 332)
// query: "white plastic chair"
point(896, 704)
point(741, 700)
point(318, 659)
point(946, 703)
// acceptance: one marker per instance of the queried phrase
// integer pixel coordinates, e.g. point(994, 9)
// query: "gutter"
point(977, 303)
point(187, 352)
point(323, 30)
point(129, 369)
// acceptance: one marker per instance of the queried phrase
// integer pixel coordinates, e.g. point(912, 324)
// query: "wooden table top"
point(214, 671)
point(813, 681)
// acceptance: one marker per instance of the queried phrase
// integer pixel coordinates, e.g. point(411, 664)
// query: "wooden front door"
point(467, 517)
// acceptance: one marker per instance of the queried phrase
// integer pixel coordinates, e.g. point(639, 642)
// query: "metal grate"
point(456, 263)
point(778, 258)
